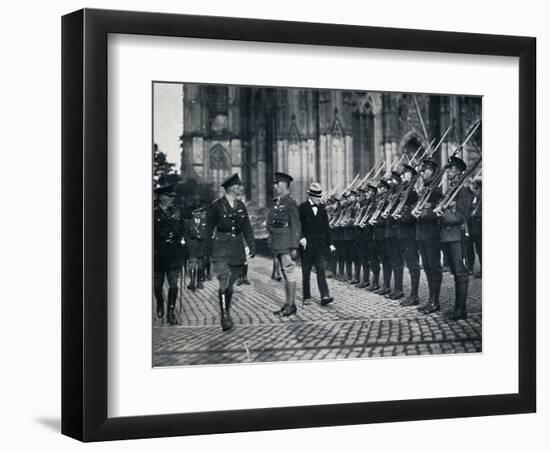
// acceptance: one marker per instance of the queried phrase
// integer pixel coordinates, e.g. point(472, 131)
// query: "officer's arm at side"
point(211, 220)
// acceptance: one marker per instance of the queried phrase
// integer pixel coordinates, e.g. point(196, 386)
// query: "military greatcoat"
point(226, 227)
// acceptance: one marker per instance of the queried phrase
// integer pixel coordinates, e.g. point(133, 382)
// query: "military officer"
point(227, 230)
point(427, 235)
point(287, 230)
point(168, 250)
point(407, 233)
point(452, 222)
point(194, 231)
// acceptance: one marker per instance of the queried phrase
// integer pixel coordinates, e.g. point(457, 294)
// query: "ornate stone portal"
point(328, 136)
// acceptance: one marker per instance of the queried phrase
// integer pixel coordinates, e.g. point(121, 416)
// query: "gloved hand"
point(332, 248)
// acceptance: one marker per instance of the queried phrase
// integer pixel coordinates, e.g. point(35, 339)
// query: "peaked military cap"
point(395, 175)
point(409, 168)
point(458, 163)
point(281, 176)
point(429, 162)
point(231, 181)
point(383, 183)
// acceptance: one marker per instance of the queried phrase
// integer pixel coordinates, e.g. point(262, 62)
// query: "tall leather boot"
point(434, 306)
point(397, 292)
point(461, 294)
point(171, 315)
point(357, 273)
point(159, 297)
point(207, 269)
point(340, 270)
point(226, 321)
point(366, 275)
point(386, 275)
point(375, 284)
point(423, 306)
point(200, 279)
point(412, 299)
point(192, 286)
point(348, 276)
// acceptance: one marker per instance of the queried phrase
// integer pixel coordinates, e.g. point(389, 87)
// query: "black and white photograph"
point(301, 224)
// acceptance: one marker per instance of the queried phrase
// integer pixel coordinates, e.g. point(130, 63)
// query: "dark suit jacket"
point(315, 228)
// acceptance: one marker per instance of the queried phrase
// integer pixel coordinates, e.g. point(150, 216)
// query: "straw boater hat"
point(315, 190)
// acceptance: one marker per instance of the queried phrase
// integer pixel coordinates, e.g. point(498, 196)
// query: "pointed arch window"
point(220, 164)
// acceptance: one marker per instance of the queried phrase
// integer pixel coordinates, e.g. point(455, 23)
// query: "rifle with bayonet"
point(453, 192)
point(439, 174)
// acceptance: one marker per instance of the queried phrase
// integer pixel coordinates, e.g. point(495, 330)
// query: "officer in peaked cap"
point(454, 161)
point(407, 168)
point(287, 230)
point(168, 250)
point(429, 163)
point(227, 230)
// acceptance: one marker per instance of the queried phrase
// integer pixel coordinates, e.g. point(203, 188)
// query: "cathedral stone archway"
point(220, 164)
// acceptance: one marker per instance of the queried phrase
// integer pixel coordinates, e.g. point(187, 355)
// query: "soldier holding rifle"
point(407, 231)
point(369, 257)
point(393, 245)
point(452, 211)
point(378, 222)
point(427, 233)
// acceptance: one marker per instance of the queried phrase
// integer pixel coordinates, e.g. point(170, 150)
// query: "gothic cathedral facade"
point(328, 136)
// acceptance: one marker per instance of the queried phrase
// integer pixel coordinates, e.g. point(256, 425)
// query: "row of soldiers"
point(380, 227)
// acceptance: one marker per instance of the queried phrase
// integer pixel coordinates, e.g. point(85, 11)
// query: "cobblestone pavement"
point(357, 324)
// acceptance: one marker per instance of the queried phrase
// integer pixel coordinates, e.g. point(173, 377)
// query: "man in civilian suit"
point(315, 243)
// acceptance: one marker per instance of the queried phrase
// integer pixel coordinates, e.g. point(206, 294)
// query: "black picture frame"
point(84, 224)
